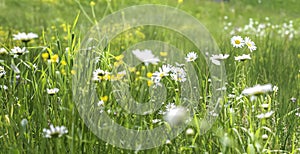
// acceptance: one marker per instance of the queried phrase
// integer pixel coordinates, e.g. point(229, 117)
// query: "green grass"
point(63, 24)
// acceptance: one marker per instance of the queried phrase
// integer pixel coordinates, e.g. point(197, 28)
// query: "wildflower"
point(54, 58)
point(275, 89)
point(2, 72)
point(237, 41)
point(132, 69)
point(146, 56)
point(149, 74)
point(250, 44)
point(265, 115)
point(100, 103)
point(180, 1)
point(73, 72)
point(242, 57)
point(17, 51)
point(4, 87)
point(3, 51)
point(178, 74)
point(189, 131)
point(24, 122)
point(265, 106)
point(99, 75)
point(25, 37)
point(63, 62)
point(170, 106)
point(258, 89)
point(149, 83)
point(163, 54)
point(92, 3)
point(52, 91)
point(155, 80)
point(119, 58)
point(176, 116)
point(163, 71)
point(168, 142)
point(45, 56)
point(217, 58)
point(104, 98)
point(293, 99)
point(264, 136)
point(192, 56)
point(154, 121)
point(57, 131)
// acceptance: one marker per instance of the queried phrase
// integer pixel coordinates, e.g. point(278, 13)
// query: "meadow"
point(48, 66)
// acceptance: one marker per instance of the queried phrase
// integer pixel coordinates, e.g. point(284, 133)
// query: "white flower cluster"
point(264, 28)
point(25, 37)
point(57, 131)
point(176, 73)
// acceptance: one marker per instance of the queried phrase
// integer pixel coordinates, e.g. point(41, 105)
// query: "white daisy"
point(156, 80)
point(265, 115)
point(217, 58)
point(242, 57)
point(264, 136)
point(192, 56)
point(25, 37)
point(275, 89)
point(57, 131)
point(99, 75)
point(189, 131)
point(170, 106)
point(17, 51)
point(154, 121)
point(146, 56)
point(265, 106)
point(163, 71)
point(178, 74)
point(293, 99)
point(250, 44)
point(176, 116)
point(237, 41)
point(4, 87)
point(258, 89)
point(3, 51)
point(52, 91)
point(2, 72)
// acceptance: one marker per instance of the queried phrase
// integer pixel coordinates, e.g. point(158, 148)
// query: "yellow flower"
point(143, 67)
point(180, 1)
point(107, 77)
point(54, 58)
point(149, 74)
point(150, 83)
point(104, 98)
point(63, 71)
point(45, 56)
point(120, 57)
point(140, 34)
point(131, 69)
point(163, 54)
point(138, 73)
point(73, 72)
point(92, 3)
point(118, 63)
point(63, 62)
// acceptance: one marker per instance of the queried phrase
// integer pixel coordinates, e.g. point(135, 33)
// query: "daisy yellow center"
point(237, 42)
point(249, 44)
